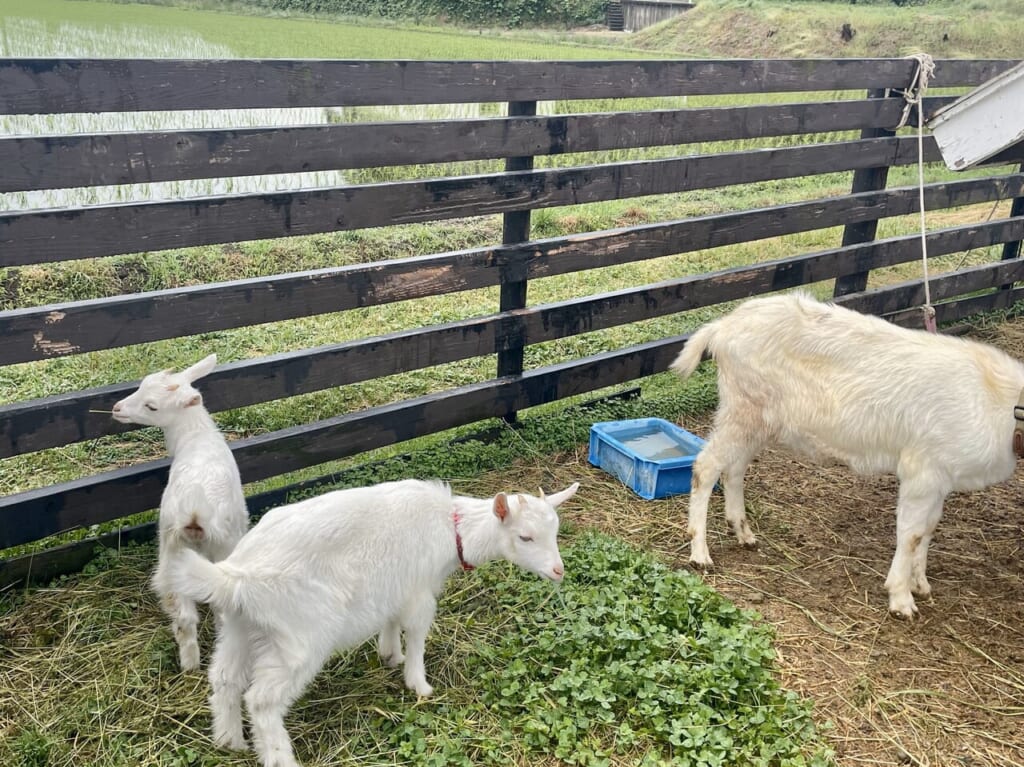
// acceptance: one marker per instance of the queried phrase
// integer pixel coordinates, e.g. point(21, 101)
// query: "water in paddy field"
point(655, 446)
point(32, 37)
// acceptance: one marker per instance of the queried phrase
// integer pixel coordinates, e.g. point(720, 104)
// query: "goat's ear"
point(501, 506)
point(558, 499)
point(200, 369)
point(186, 396)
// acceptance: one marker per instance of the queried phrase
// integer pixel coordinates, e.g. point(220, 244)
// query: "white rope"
point(914, 95)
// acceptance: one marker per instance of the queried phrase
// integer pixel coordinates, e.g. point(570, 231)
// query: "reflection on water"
point(32, 37)
point(655, 446)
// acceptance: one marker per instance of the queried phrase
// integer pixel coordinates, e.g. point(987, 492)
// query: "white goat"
point(832, 383)
point(330, 572)
point(202, 507)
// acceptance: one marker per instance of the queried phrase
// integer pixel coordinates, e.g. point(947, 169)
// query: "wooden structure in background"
point(39, 237)
point(638, 14)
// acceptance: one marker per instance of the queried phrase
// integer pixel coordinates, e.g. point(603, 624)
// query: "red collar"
point(458, 543)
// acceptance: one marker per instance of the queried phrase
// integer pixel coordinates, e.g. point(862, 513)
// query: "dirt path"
point(947, 689)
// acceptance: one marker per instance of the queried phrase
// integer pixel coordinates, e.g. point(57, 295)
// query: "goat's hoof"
point(393, 661)
point(922, 591)
point(904, 616)
point(422, 690)
point(703, 566)
point(750, 545)
point(232, 743)
point(903, 612)
point(189, 659)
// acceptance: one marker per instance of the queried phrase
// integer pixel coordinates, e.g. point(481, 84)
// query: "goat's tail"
point(193, 575)
point(692, 354)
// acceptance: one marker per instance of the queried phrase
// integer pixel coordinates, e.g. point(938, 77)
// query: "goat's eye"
point(526, 539)
point(150, 407)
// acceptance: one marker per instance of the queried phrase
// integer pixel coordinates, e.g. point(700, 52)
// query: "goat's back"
point(824, 379)
point(346, 560)
point(204, 489)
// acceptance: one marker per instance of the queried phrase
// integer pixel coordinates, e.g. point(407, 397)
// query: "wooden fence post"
point(515, 229)
point(865, 180)
point(1011, 250)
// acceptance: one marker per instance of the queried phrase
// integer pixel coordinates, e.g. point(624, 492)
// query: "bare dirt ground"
point(946, 689)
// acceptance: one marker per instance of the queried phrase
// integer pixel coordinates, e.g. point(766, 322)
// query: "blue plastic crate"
point(651, 456)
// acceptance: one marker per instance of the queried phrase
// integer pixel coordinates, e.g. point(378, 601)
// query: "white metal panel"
point(983, 123)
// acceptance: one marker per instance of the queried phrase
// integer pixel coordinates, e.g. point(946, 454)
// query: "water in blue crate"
point(655, 446)
point(650, 455)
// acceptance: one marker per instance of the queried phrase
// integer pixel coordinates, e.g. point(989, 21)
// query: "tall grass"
point(773, 28)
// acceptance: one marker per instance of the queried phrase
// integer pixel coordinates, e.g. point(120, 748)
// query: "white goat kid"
point(331, 572)
point(202, 506)
point(832, 383)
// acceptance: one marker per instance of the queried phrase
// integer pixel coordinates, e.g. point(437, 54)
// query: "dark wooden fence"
point(36, 237)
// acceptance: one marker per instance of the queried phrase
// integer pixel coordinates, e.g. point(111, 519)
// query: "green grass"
point(627, 663)
point(793, 28)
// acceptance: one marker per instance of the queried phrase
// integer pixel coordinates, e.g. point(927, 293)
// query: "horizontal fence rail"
point(90, 232)
point(61, 420)
point(52, 162)
point(672, 149)
point(51, 86)
point(72, 328)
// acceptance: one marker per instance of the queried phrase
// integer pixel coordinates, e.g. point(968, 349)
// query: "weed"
point(632, 658)
point(626, 662)
point(32, 748)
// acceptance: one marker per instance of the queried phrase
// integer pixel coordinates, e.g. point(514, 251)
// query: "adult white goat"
point(202, 506)
point(832, 383)
point(330, 572)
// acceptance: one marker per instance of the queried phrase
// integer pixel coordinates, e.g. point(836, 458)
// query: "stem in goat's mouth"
point(108, 412)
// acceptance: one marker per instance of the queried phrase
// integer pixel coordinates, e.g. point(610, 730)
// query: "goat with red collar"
point(330, 572)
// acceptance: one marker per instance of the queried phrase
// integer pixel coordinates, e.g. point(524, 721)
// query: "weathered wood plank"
point(63, 419)
point(53, 421)
point(103, 230)
point(53, 162)
point(961, 309)
point(43, 332)
point(34, 514)
point(515, 229)
point(103, 85)
point(44, 566)
point(893, 300)
point(1012, 250)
